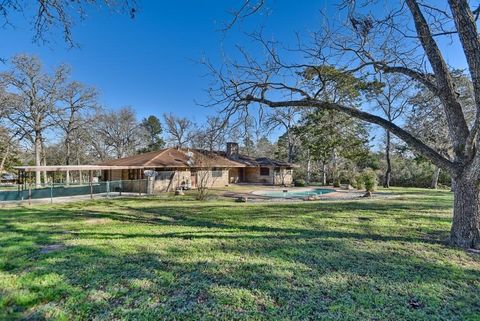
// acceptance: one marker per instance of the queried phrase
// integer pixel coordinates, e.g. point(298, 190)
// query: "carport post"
point(29, 188)
point(91, 184)
point(51, 187)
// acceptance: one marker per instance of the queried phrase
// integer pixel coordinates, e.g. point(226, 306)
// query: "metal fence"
point(110, 188)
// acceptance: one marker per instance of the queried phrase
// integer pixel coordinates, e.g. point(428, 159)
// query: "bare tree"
point(53, 15)
point(76, 99)
point(8, 136)
point(211, 135)
point(8, 143)
point(428, 122)
point(120, 133)
point(393, 101)
point(206, 173)
point(286, 119)
point(92, 134)
point(179, 129)
point(34, 100)
point(368, 45)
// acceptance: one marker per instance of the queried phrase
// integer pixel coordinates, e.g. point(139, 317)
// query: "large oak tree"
point(405, 39)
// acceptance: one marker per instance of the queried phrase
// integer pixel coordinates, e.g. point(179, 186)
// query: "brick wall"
point(213, 178)
point(278, 176)
point(234, 175)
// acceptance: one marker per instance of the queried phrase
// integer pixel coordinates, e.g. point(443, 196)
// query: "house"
point(262, 170)
point(191, 168)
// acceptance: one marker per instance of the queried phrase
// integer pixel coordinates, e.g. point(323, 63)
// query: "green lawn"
point(179, 259)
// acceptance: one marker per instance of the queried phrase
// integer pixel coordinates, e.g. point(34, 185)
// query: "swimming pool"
point(286, 193)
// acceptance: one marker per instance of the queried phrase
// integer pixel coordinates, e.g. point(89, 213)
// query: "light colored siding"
point(164, 182)
point(168, 181)
point(278, 176)
point(283, 176)
point(252, 175)
point(211, 180)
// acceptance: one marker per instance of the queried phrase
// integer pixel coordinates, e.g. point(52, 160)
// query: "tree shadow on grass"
point(240, 278)
point(215, 266)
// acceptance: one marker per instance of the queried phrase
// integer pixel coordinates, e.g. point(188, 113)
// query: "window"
point(264, 171)
point(217, 173)
point(164, 175)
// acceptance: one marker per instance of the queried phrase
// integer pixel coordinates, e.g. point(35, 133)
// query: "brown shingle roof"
point(259, 161)
point(173, 157)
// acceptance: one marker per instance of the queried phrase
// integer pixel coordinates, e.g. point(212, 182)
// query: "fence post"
point(108, 189)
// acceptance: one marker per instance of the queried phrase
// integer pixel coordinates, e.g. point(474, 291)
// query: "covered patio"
point(58, 181)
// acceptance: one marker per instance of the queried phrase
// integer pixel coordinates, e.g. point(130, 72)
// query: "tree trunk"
point(388, 171)
point(290, 152)
point(67, 158)
point(44, 163)
point(324, 174)
point(435, 176)
point(465, 230)
point(4, 159)
point(309, 167)
point(334, 167)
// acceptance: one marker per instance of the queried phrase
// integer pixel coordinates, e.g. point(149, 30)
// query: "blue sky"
point(150, 63)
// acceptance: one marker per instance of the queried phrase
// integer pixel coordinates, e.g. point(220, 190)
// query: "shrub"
point(336, 183)
point(353, 182)
point(359, 181)
point(369, 179)
point(299, 183)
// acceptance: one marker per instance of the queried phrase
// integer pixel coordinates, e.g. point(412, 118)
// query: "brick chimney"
point(232, 150)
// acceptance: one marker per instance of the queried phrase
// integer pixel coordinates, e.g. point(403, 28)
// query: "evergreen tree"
point(153, 130)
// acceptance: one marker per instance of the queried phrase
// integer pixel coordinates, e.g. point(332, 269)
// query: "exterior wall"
point(252, 175)
point(138, 186)
point(112, 175)
point(168, 181)
point(234, 175)
point(209, 180)
point(283, 176)
point(276, 176)
point(122, 174)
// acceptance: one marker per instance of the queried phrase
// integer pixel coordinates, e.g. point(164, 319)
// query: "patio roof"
point(65, 168)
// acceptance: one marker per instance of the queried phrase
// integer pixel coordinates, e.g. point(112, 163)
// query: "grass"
point(179, 259)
